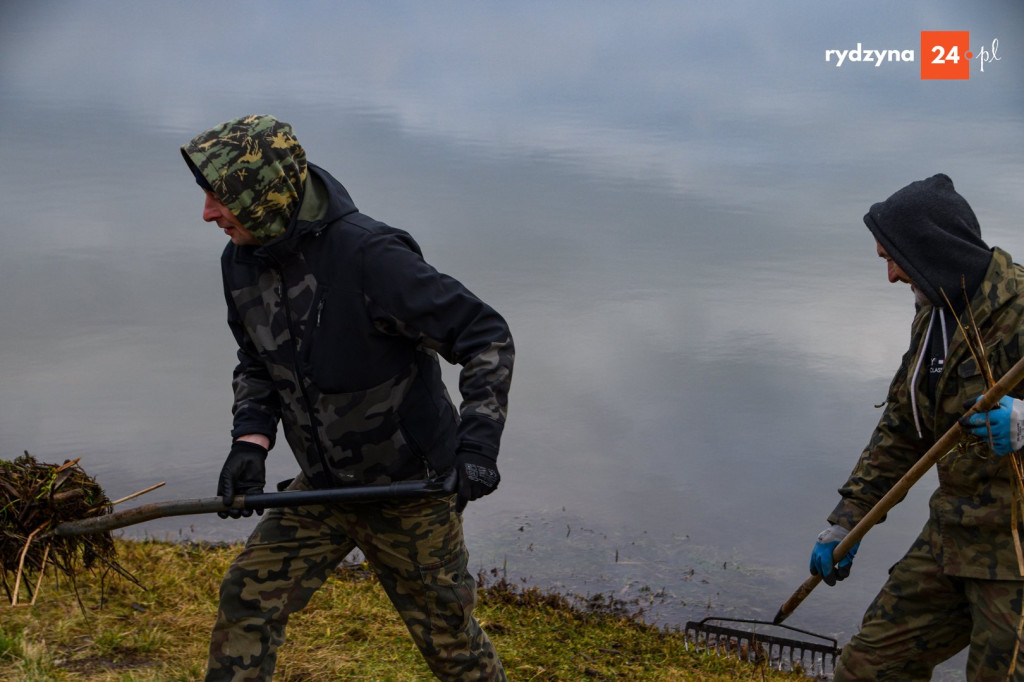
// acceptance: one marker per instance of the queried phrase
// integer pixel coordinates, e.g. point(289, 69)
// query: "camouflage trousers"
point(416, 549)
point(923, 617)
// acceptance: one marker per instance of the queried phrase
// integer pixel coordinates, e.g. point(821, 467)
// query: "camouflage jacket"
point(972, 505)
point(339, 324)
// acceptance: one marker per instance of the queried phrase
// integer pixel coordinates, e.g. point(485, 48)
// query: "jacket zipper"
point(300, 379)
point(319, 311)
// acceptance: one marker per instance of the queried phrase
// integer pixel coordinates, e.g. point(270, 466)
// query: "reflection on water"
point(664, 204)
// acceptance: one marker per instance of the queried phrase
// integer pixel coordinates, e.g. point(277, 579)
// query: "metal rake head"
point(763, 641)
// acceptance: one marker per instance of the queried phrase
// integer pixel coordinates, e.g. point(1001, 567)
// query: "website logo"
point(944, 55)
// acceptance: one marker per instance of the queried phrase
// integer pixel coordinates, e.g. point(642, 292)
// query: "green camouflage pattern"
point(256, 167)
point(923, 616)
point(485, 376)
point(415, 548)
point(357, 435)
point(349, 424)
point(972, 504)
point(339, 339)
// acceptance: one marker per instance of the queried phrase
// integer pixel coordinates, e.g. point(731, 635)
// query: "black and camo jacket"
point(339, 325)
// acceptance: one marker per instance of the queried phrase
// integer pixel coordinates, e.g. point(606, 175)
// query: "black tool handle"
point(290, 498)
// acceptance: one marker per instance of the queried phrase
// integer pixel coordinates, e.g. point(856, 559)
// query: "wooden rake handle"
point(943, 445)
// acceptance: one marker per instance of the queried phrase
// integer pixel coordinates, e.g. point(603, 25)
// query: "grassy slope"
point(348, 632)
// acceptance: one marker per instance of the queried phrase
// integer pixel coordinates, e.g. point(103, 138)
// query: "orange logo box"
point(946, 55)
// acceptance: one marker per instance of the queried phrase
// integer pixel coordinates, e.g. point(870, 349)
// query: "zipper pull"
point(319, 311)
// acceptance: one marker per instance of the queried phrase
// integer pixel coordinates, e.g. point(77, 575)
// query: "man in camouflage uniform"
point(959, 584)
point(339, 322)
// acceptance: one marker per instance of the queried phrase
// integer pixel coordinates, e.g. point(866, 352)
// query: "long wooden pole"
point(943, 445)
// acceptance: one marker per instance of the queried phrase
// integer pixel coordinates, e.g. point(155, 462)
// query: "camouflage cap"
point(256, 167)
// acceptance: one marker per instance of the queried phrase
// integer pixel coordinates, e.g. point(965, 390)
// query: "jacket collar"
point(324, 201)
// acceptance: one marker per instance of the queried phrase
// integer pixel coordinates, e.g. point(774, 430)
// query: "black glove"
point(244, 473)
point(478, 476)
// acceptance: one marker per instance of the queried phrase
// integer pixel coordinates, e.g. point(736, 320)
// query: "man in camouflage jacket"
point(959, 585)
point(339, 322)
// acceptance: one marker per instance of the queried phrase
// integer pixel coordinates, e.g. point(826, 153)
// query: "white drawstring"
point(920, 361)
point(945, 335)
point(917, 369)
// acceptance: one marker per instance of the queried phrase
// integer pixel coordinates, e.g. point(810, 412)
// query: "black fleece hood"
point(932, 233)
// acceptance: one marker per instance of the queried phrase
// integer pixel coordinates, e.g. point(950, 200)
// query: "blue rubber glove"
point(821, 556)
point(1002, 426)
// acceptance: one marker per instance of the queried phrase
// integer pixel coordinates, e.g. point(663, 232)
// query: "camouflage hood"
point(256, 167)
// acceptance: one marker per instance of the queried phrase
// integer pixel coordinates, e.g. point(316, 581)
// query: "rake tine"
point(753, 645)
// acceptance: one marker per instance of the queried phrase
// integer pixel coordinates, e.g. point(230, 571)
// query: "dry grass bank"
point(349, 631)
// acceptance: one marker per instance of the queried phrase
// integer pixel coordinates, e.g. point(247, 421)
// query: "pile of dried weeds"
point(35, 498)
